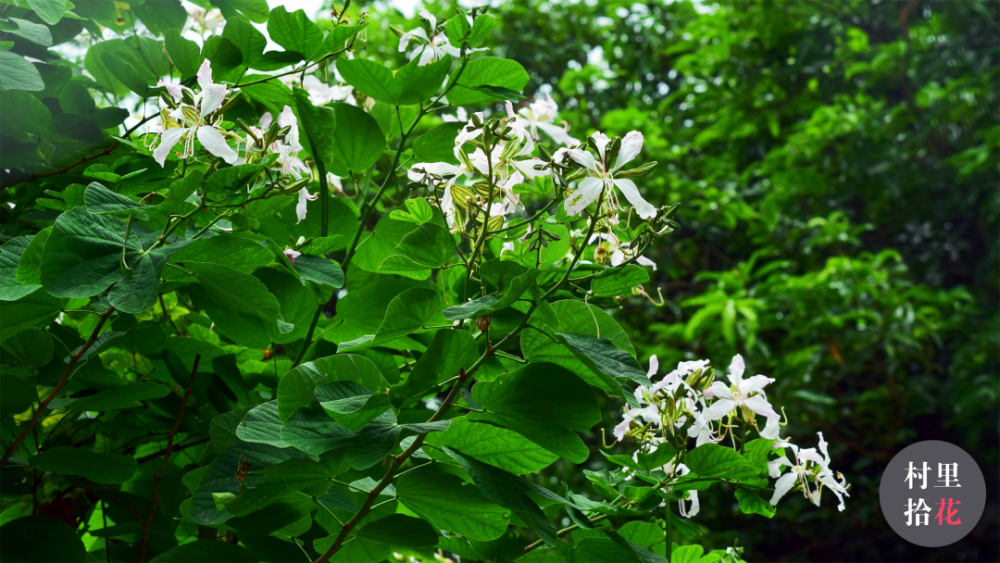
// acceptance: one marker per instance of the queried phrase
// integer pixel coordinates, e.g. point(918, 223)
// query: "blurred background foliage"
point(837, 166)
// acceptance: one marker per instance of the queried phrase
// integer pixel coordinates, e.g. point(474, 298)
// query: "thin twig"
point(155, 503)
point(55, 390)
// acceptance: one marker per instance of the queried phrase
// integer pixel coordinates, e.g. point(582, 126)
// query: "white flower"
point(321, 93)
point(623, 427)
point(602, 176)
point(746, 393)
point(300, 208)
point(187, 125)
point(429, 49)
point(541, 114)
point(808, 468)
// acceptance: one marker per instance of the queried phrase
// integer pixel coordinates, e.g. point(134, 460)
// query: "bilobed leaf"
point(484, 72)
point(247, 39)
point(605, 361)
point(415, 84)
point(401, 530)
point(319, 125)
point(125, 73)
point(98, 467)
point(100, 201)
point(355, 412)
point(162, 16)
point(429, 245)
point(30, 263)
point(372, 78)
point(240, 254)
point(262, 425)
point(601, 549)
point(10, 256)
point(235, 291)
point(20, 111)
point(442, 499)
point(206, 551)
point(713, 460)
point(617, 281)
point(294, 31)
point(449, 351)
point(358, 142)
point(490, 304)
point(407, 313)
point(297, 388)
point(36, 33)
point(543, 403)
point(32, 347)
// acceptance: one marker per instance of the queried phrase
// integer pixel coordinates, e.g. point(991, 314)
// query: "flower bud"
point(483, 323)
point(168, 100)
point(643, 170)
point(187, 96)
point(230, 102)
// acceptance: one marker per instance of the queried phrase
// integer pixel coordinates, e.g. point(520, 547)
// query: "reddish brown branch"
point(55, 390)
point(155, 503)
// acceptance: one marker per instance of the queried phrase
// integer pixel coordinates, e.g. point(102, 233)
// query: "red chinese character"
point(945, 518)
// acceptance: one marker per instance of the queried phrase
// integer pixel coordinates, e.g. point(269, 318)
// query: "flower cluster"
point(687, 404)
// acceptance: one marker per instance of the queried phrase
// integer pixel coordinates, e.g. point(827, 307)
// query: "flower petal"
point(168, 140)
point(205, 75)
point(527, 167)
point(300, 207)
point(718, 389)
point(654, 365)
point(583, 158)
point(754, 384)
point(557, 133)
point(215, 143)
point(760, 406)
point(631, 147)
point(771, 429)
point(585, 193)
point(642, 207)
point(736, 368)
point(212, 98)
point(601, 140)
point(622, 428)
point(287, 119)
point(719, 409)
point(782, 486)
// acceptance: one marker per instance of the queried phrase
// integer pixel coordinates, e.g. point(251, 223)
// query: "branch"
point(104, 152)
point(55, 390)
point(390, 473)
point(559, 534)
point(155, 503)
point(151, 457)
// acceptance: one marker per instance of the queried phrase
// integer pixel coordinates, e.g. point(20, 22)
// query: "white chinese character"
point(948, 474)
point(912, 509)
point(920, 474)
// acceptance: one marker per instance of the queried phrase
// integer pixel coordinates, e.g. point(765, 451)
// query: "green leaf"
point(601, 549)
point(407, 313)
point(417, 211)
point(509, 491)
point(35, 309)
point(416, 84)
point(16, 73)
point(284, 512)
point(438, 144)
point(319, 270)
point(400, 530)
point(442, 499)
point(36, 33)
point(294, 31)
point(496, 446)
point(471, 87)
point(358, 142)
point(606, 361)
point(206, 551)
point(125, 73)
point(448, 352)
point(429, 245)
point(30, 264)
point(253, 10)
point(32, 347)
point(21, 112)
point(124, 397)
point(411, 85)
point(319, 125)
point(543, 403)
point(617, 281)
point(236, 292)
point(480, 30)
point(16, 394)
point(751, 503)
point(491, 304)
point(715, 461)
point(49, 11)
point(77, 99)
point(240, 254)
point(185, 53)
point(659, 457)
point(262, 425)
point(355, 412)
point(220, 477)
point(298, 387)
point(162, 16)
point(339, 38)
point(10, 255)
point(246, 38)
point(107, 469)
point(41, 538)
point(102, 201)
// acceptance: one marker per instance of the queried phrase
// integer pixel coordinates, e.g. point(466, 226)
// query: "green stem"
point(308, 341)
point(577, 255)
point(670, 539)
